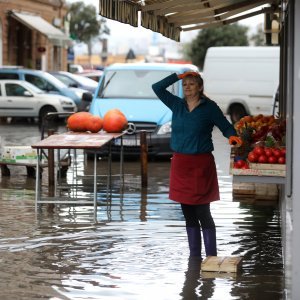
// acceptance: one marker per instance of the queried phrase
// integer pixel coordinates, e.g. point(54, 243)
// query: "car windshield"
point(133, 84)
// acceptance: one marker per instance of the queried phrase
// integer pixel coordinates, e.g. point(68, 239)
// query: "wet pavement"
point(137, 249)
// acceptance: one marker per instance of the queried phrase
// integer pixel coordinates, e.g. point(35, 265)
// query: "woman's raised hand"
point(189, 73)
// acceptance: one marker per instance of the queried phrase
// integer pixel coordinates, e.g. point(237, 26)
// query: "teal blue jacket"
point(192, 131)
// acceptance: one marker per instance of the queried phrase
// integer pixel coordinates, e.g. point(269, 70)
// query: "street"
point(138, 247)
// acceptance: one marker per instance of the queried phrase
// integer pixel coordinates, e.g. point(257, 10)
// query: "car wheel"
point(237, 111)
point(44, 111)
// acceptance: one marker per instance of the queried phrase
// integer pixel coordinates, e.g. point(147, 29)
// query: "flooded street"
point(138, 247)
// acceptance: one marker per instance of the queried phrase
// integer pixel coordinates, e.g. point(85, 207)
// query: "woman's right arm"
point(160, 89)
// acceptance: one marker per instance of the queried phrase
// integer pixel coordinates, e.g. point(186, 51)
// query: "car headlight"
point(65, 102)
point(164, 129)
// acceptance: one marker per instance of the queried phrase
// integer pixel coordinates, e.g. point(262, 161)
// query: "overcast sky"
point(123, 30)
point(123, 36)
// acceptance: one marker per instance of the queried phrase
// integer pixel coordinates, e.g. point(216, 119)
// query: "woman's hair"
point(199, 80)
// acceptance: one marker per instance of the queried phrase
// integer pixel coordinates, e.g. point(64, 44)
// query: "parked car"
point(77, 81)
point(20, 98)
point(48, 83)
point(128, 87)
point(73, 68)
point(92, 74)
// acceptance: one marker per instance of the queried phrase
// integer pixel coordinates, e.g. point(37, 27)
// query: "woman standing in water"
point(193, 175)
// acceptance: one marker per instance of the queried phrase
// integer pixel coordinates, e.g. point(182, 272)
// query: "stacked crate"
point(258, 193)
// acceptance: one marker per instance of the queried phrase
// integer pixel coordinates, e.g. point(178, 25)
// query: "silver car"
point(22, 99)
point(76, 81)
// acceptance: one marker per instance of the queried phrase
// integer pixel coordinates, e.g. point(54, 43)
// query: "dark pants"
point(198, 215)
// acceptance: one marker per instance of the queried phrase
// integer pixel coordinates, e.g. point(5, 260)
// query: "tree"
point(228, 35)
point(85, 25)
point(258, 39)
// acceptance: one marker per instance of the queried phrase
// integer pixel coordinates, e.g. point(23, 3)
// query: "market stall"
point(258, 166)
point(72, 141)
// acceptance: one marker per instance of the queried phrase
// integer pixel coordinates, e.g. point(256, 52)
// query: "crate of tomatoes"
point(263, 151)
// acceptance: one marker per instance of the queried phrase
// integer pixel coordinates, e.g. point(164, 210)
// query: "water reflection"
point(138, 247)
point(192, 285)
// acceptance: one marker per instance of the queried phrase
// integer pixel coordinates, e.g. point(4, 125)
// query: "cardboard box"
point(260, 170)
point(257, 166)
point(18, 155)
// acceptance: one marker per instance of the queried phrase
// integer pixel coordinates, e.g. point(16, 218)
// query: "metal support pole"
point(144, 158)
point(109, 165)
point(37, 179)
point(51, 173)
point(122, 162)
point(95, 186)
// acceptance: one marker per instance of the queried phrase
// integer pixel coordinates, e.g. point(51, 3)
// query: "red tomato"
point(252, 157)
point(269, 152)
point(281, 160)
point(262, 159)
point(277, 152)
point(272, 159)
point(283, 152)
point(239, 164)
point(245, 166)
point(259, 150)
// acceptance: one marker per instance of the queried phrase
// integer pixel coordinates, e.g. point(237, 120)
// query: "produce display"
point(79, 121)
point(263, 141)
point(113, 121)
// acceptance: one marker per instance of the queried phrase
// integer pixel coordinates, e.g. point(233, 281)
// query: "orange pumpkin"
point(114, 121)
point(77, 121)
point(94, 124)
point(115, 110)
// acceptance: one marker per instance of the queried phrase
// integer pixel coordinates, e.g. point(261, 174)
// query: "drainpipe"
point(61, 4)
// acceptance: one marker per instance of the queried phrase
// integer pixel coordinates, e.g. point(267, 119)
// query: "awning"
point(170, 17)
point(35, 22)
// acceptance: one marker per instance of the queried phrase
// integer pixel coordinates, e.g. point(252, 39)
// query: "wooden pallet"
point(219, 275)
point(222, 264)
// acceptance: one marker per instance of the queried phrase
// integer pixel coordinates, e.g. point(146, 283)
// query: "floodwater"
point(137, 248)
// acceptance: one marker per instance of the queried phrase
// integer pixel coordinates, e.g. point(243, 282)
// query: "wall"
point(48, 10)
point(95, 60)
point(295, 242)
point(1, 43)
point(290, 198)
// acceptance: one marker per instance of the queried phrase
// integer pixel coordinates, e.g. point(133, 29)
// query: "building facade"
point(32, 34)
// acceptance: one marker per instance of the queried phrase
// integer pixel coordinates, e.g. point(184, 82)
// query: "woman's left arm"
point(226, 127)
point(221, 122)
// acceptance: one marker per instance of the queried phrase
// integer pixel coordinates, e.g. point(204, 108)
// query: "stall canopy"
point(35, 22)
point(170, 17)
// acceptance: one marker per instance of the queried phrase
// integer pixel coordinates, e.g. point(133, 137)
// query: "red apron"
point(193, 179)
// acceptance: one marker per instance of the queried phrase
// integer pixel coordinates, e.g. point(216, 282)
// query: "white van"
point(242, 80)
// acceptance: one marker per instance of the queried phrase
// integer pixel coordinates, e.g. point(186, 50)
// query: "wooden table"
point(72, 140)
